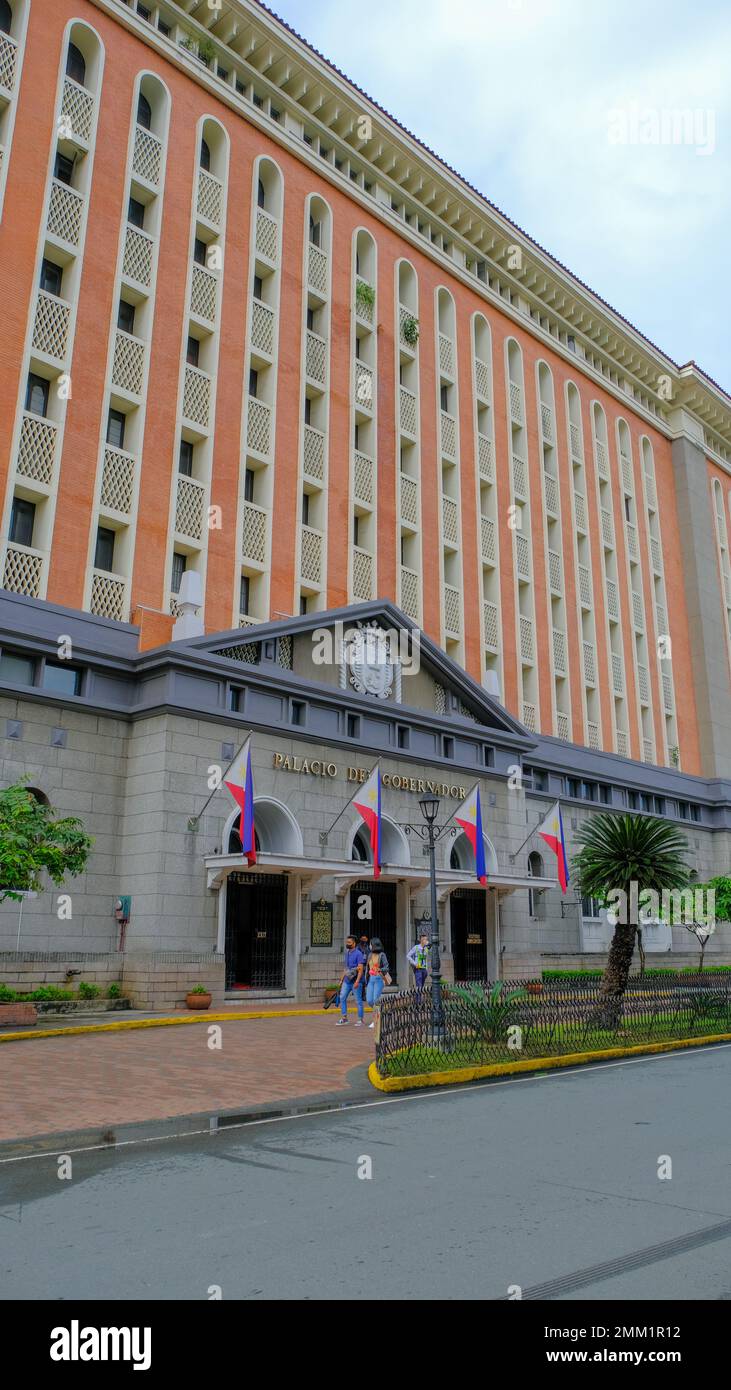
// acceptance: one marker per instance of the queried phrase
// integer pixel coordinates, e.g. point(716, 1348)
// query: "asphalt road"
point(548, 1183)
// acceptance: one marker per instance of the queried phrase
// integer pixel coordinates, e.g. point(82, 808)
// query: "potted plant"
point(534, 986)
point(206, 51)
point(365, 296)
point(198, 998)
point(330, 993)
point(410, 330)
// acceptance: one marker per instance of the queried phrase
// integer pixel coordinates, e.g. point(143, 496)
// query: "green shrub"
point(88, 991)
point(199, 989)
point(114, 991)
point(49, 992)
point(410, 330)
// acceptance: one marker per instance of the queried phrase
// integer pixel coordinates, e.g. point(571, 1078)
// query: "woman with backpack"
point(377, 974)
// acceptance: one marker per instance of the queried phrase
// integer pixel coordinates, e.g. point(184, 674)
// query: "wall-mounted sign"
point(317, 767)
point(321, 924)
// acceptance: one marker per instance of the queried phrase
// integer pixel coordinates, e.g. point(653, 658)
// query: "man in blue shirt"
point(352, 979)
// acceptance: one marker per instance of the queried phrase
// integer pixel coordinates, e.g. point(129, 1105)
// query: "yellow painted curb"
point(123, 1025)
point(568, 1059)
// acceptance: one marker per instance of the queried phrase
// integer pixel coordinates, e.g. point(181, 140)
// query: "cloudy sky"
point(562, 113)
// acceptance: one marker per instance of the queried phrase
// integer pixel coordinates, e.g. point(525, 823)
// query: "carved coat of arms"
point(369, 659)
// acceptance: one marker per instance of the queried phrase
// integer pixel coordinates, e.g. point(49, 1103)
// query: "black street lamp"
point(430, 832)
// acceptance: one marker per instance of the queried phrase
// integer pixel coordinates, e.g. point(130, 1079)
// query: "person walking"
point(352, 979)
point(377, 971)
point(418, 958)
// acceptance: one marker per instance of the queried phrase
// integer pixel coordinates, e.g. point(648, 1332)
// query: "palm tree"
point(616, 852)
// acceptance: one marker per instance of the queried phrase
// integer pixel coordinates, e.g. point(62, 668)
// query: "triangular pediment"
point(341, 649)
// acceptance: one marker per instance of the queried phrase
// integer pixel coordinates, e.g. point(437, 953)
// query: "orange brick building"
point(255, 330)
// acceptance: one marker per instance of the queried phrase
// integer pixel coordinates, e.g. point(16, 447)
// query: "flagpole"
point(324, 834)
point(194, 821)
point(513, 857)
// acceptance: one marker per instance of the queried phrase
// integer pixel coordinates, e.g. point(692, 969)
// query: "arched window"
point(535, 870)
point(6, 16)
point(205, 156)
point(144, 112)
point(234, 840)
point(76, 65)
point(261, 197)
point(359, 850)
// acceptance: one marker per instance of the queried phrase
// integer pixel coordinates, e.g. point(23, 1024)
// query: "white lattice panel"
point(612, 601)
point(651, 493)
point(547, 423)
point(65, 208)
point(8, 62)
point(446, 355)
point(450, 525)
point(363, 308)
point(197, 397)
point(449, 435)
point(485, 459)
point(259, 426)
point(452, 622)
point(632, 542)
point(648, 752)
point(363, 386)
point(580, 510)
point(410, 592)
point(254, 534)
point(643, 680)
point(137, 264)
point(489, 548)
point(51, 326)
point(147, 158)
point(108, 596)
point(314, 452)
point(638, 616)
point(23, 571)
point(627, 481)
point(311, 556)
point(37, 449)
point(602, 460)
point(516, 403)
point(315, 358)
point(128, 368)
point(409, 500)
point(563, 728)
point(267, 236)
point(482, 379)
point(667, 693)
point(655, 556)
point(118, 476)
point(529, 717)
point(520, 478)
point(363, 479)
point(526, 640)
point(617, 674)
point(362, 574)
point(491, 625)
point(204, 294)
point(554, 571)
point(576, 440)
point(317, 269)
point(585, 586)
point(77, 111)
point(407, 410)
point(551, 486)
point(262, 328)
point(403, 317)
point(522, 551)
point(589, 666)
point(559, 652)
point(210, 197)
point(662, 620)
point(607, 529)
point(189, 508)
point(622, 743)
point(593, 734)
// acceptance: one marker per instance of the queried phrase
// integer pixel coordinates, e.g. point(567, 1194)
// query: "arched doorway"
point(374, 911)
point(468, 917)
point(258, 904)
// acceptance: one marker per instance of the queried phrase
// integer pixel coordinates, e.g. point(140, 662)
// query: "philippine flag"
point(367, 803)
point(240, 783)
point(469, 816)
point(551, 830)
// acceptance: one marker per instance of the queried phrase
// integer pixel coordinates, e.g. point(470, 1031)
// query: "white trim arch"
point(465, 854)
point(394, 844)
point(277, 830)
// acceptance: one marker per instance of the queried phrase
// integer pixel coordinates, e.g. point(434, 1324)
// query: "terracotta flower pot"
point(198, 1001)
point(534, 987)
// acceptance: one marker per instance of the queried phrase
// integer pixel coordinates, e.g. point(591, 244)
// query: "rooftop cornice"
point(313, 89)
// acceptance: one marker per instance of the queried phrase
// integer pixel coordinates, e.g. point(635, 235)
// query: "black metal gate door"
point(382, 921)
point(256, 931)
point(469, 934)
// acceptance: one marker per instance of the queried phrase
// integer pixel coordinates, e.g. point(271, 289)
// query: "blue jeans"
point(345, 989)
point(420, 978)
point(374, 990)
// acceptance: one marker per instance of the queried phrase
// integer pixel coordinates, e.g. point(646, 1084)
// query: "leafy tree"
point(617, 851)
point(32, 840)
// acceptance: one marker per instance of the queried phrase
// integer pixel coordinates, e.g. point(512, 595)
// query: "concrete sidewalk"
point(99, 1081)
